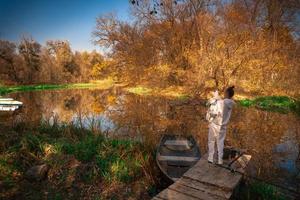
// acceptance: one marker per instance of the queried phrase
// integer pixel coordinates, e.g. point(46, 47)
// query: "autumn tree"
point(62, 53)
point(8, 57)
point(30, 51)
point(125, 42)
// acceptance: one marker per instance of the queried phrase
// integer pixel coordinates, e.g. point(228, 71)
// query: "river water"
point(273, 139)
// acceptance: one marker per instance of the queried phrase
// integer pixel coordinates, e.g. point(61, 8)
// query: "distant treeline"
point(197, 44)
point(30, 63)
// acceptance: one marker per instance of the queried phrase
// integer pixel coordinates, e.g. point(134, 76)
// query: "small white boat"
point(8, 108)
point(9, 104)
point(6, 99)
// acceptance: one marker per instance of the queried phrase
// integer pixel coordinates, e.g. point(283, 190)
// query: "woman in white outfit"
point(219, 117)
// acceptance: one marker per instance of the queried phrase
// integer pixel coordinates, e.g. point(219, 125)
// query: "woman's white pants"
point(216, 134)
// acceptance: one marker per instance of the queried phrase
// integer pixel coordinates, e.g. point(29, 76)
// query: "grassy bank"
point(280, 104)
point(170, 92)
point(83, 163)
point(258, 190)
point(100, 84)
point(80, 163)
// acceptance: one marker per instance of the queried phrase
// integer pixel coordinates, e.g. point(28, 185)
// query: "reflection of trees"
point(63, 103)
point(72, 102)
point(256, 131)
point(259, 132)
point(137, 115)
point(147, 117)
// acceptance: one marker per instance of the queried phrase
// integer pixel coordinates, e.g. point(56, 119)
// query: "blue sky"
point(71, 20)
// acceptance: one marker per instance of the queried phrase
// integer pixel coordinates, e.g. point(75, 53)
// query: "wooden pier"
point(206, 181)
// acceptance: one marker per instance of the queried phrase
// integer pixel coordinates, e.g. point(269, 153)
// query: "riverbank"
point(281, 104)
point(99, 84)
point(79, 162)
point(83, 163)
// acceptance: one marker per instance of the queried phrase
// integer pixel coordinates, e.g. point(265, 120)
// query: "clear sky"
point(72, 20)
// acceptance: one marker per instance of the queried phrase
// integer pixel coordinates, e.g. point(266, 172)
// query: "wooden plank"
point(221, 179)
point(205, 181)
point(241, 163)
point(177, 142)
point(199, 194)
point(204, 187)
point(177, 158)
point(168, 194)
point(202, 168)
point(156, 198)
point(214, 175)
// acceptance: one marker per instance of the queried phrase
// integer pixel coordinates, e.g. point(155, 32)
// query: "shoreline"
point(281, 104)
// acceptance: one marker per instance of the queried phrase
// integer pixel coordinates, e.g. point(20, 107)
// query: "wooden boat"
point(176, 154)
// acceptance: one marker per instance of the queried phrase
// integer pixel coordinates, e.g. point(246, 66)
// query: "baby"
point(213, 109)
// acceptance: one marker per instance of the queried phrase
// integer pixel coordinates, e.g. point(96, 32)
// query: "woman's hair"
point(230, 91)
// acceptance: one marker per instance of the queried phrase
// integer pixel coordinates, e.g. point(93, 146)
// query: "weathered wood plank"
point(204, 187)
point(228, 182)
point(205, 181)
point(168, 194)
point(214, 175)
point(156, 198)
point(199, 194)
point(241, 163)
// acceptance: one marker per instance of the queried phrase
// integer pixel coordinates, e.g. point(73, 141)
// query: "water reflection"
point(271, 138)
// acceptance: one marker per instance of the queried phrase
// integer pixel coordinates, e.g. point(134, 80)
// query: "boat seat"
point(179, 163)
point(177, 158)
point(178, 145)
point(177, 142)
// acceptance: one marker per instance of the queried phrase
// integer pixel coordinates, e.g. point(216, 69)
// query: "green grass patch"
point(167, 92)
point(75, 156)
point(139, 90)
point(117, 160)
point(259, 190)
point(8, 168)
point(100, 84)
point(282, 104)
point(114, 160)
